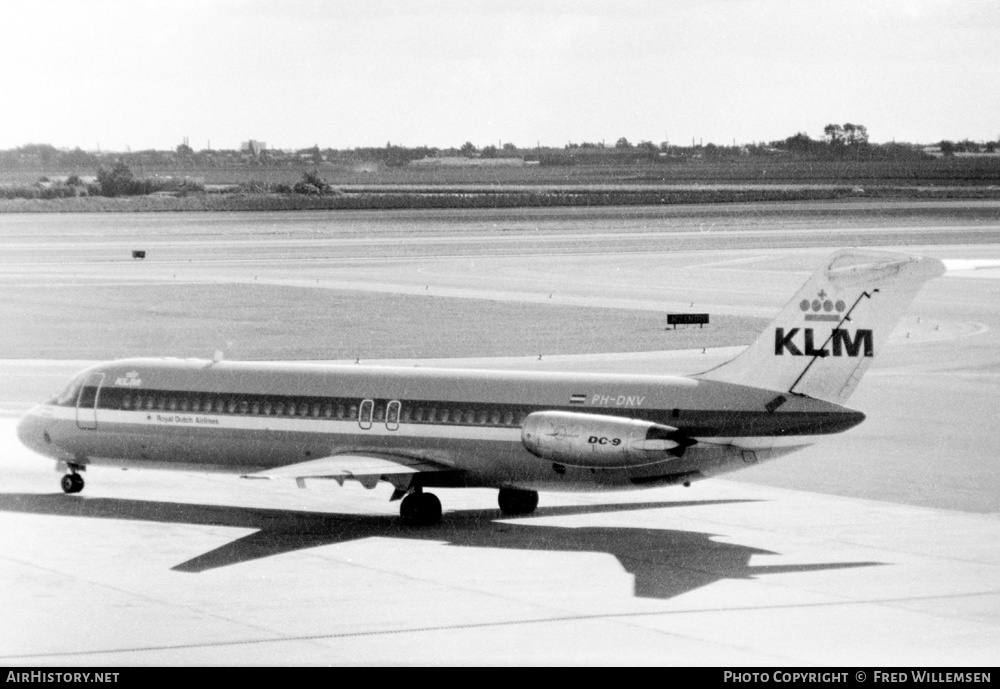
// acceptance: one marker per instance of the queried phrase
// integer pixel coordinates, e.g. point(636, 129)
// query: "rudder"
point(825, 338)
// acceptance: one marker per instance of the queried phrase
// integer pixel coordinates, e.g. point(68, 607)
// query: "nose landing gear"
point(71, 482)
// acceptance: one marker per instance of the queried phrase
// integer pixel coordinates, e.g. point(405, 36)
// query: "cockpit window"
point(67, 398)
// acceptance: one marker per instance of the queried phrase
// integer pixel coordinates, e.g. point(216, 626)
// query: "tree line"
point(839, 141)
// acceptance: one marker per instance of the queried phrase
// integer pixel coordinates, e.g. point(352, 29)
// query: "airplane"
point(517, 431)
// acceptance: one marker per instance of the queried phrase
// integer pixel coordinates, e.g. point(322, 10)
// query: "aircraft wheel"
point(420, 509)
point(513, 501)
point(71, 483)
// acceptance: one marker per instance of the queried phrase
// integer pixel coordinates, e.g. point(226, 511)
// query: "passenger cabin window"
point(369, 411)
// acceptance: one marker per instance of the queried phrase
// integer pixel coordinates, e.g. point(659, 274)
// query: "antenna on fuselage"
point(218, 356)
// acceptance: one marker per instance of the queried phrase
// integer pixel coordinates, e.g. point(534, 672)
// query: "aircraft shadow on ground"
point(664, 562)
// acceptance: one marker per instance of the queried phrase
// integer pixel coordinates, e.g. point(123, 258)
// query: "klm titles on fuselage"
point(840, 342)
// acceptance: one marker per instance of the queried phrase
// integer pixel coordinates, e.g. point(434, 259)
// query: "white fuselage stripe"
point(147, 419)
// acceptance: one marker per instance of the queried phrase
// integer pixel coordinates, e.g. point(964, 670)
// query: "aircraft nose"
point(31, 433)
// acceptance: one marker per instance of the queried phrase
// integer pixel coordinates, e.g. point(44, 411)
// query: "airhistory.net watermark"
point(45, 676)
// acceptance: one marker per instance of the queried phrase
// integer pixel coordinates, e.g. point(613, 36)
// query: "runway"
point(876, 547)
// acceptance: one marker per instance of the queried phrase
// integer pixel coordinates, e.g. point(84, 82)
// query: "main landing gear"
point(514, 501)
point(420, 509)
point(71, 482)
point(424, 509)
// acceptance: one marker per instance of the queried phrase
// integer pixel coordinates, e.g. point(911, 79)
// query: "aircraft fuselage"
point(247, 417)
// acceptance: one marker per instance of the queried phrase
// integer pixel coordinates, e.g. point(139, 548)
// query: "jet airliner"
point(517, 431)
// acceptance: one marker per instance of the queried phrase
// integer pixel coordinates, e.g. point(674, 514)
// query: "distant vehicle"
point(520, 432)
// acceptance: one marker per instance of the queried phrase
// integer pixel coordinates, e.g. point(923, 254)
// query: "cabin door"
point(86, 402)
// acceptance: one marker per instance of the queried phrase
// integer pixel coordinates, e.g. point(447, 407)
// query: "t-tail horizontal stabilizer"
point(825, 338)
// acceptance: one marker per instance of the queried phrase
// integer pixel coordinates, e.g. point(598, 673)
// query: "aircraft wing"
point(367, 468)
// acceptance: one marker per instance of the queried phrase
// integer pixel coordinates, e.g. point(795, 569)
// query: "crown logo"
point(821, 303)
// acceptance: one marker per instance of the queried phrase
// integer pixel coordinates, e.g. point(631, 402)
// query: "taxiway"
point(872, 548)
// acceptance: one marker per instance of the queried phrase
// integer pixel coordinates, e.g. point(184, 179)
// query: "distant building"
point(253, 147)
point(462, 161)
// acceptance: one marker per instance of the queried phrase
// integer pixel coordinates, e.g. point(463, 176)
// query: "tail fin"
point(823, 341)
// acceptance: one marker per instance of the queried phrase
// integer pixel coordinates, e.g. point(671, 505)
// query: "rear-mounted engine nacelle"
point(599, 441)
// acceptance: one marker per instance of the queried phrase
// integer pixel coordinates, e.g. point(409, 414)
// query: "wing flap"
point(351, 465)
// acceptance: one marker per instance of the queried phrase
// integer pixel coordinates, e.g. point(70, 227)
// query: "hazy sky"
point(145, 74)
